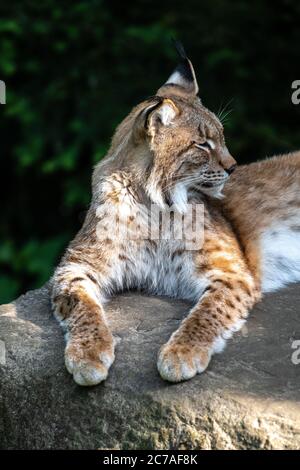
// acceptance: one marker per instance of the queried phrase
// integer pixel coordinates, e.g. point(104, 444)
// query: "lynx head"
point(174, 142)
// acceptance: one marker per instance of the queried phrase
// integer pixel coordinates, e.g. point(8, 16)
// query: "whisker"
point(221, 112)
point(186, 180)
point(225, 115)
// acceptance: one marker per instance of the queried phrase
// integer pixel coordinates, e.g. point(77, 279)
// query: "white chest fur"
point(160, 269)
point(280, 247)
point(158, 266)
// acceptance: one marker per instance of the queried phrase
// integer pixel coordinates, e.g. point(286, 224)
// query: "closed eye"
point(204, 146)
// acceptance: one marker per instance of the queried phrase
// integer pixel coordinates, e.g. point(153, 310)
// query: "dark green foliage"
point(74, 69)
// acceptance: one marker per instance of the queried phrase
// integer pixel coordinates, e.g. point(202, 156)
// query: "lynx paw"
point(89, 363)
point(177, 362)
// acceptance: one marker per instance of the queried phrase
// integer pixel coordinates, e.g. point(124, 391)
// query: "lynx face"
point(189, 148)
point(173, 142)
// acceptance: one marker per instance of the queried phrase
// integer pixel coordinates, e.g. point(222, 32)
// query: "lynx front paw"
point(89, 362)
point(177, 362)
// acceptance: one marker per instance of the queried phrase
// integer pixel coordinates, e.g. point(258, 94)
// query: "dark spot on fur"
point(229, 303)
point(92, 278)
point(244, 287)
point(175, 253)
point(76, 279)
point(152, 243)
point(225, 283)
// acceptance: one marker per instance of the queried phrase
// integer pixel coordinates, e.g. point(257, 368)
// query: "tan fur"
point(171, 150)
point(260, 194)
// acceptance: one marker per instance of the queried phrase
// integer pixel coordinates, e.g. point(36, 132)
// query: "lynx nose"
point(231, 169)
point(227, 161)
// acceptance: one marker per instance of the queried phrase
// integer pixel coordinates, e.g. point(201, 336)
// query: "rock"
point(247, 399)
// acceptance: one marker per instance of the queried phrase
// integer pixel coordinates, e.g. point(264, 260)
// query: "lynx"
point(170, 151)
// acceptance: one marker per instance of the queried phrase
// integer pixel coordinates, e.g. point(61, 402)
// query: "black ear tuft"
point(179, 48)
point(184, 75)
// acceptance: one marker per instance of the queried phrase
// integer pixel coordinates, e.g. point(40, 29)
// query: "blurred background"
point(73, 70)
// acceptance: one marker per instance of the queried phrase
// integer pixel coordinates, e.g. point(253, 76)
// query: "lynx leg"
point(90, 346)
point(220, 312)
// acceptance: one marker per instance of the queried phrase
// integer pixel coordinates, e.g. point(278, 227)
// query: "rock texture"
point(247, 399)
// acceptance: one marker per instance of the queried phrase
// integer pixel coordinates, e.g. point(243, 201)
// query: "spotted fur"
point(170, 151)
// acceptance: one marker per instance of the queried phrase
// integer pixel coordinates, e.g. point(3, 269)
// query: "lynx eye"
point(207, 145)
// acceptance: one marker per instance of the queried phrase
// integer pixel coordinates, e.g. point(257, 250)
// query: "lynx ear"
point(160, 112)
point(164, 114)
point(183, 76)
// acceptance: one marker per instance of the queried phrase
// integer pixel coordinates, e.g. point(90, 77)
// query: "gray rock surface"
point(248, 398)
